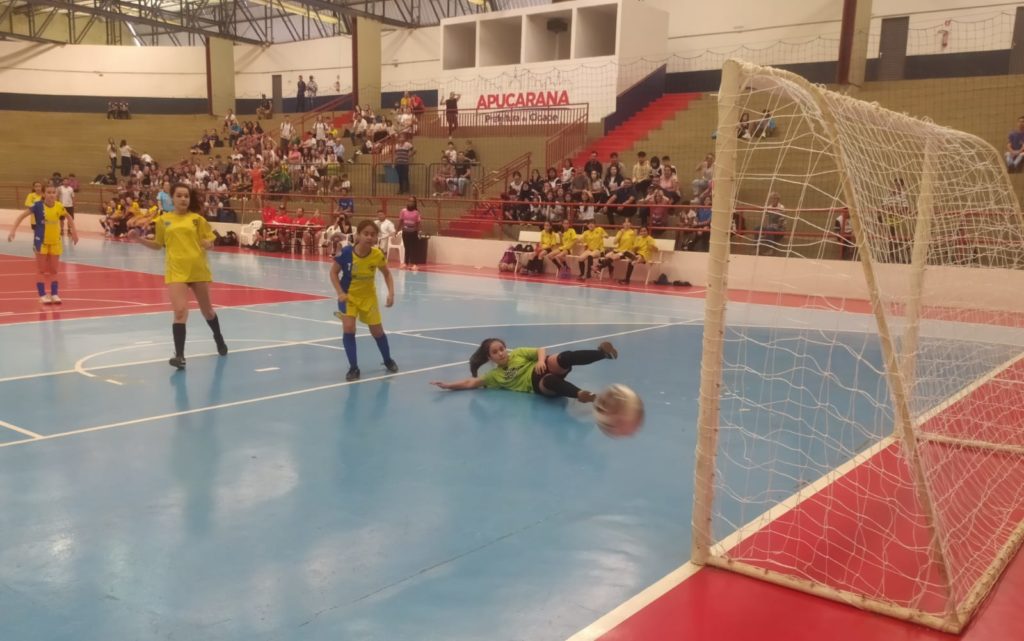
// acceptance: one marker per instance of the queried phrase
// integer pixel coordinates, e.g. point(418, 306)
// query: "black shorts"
point(71, 211)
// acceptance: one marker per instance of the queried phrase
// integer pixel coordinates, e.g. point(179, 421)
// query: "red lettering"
point(523, 99)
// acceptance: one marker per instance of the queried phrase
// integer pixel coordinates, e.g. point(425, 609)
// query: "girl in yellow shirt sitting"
point(561, 253)
point(643, 248)
point(624, 241)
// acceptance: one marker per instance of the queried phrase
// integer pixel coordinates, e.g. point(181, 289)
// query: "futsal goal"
point(862, 402)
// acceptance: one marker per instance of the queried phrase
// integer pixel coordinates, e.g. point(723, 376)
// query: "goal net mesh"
point(862, 407)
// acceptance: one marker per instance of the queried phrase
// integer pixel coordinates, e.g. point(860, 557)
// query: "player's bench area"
point(661, 245)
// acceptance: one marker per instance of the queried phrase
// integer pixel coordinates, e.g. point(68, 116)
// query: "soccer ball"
point(618, 411)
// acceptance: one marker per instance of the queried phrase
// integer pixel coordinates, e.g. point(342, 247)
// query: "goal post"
point(861, 425)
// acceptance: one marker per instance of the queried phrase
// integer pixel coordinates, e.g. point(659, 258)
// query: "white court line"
point(319, 388)
point(434, 338)
point(647, 596)
point(267, 369)
point(20, 430)
point(276, 343)
point(112, 381)
point(81, 369)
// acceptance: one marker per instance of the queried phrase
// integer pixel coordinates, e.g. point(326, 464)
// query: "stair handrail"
point(330, 106)
point(501, 175)
point(567, 140)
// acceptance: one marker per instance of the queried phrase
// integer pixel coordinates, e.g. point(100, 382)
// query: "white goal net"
point(862, 396)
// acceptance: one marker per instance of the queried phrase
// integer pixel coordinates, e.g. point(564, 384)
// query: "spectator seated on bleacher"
point(765, 126)
point(265, 109)
point(1015, 147)
point(773, 224)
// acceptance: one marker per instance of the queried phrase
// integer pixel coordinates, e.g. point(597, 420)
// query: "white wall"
point(411, 59)
point(784, 31)
point(328, 59)
point(101, 70)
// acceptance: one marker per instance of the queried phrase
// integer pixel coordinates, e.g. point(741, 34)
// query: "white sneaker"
point(45, 300)
point(56, 299)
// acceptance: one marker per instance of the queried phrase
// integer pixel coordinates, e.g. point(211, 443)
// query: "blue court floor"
point(260, 497)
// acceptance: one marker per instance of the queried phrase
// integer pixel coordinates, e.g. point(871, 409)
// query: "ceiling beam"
point(342, 8)
point(125, 17)
point(9, 35)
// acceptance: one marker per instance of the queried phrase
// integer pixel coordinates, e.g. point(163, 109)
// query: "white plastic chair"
point(395, 242)
point(248, 233)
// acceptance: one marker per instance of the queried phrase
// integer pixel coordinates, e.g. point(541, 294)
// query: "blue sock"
point(382, 344)
point(349, 341)
point(41, 288)
point(53, 288)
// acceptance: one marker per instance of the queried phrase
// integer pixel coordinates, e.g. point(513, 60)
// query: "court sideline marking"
point(298, 392)
point(653, 592)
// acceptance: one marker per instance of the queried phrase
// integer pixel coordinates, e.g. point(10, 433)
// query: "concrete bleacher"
point(76, 143)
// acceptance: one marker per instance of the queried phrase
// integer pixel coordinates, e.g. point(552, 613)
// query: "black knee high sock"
point(580, 357)
point(214, 324)
point(629, 272)
point(559, 386)
point(178, 331)
point(590, 264)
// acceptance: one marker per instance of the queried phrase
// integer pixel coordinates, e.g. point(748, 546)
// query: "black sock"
point(629, 271)
point(590, 265)
point(580, 357)
point(178, 331)
point(214, 324)
point(559, 386)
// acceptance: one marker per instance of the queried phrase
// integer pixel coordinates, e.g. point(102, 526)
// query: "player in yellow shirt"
point(560, 255)
point(35, 195)
point(529, 369)
point(593, 247)
point(548, 243)
point(353, 276)
point(185, 235)
point(643, 248)
point(47, 215)
point(624, 240)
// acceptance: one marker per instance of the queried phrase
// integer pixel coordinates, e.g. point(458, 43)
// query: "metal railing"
point(515, 121)
point(808, 233)
point(568, 140)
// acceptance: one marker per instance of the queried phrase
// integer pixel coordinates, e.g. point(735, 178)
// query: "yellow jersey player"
point(47, 215)
point(593, 247)
point(643, 248)
point(185, 236)
point(548, 243)
point(353, 276)
point(35, 195)
point(529, 369)
point(560, 256)
point(624, 241)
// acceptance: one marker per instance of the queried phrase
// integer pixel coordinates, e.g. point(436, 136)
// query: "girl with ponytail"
point(529, 369)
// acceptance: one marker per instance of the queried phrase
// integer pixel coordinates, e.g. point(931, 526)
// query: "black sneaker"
point(353, 374)
point(609, 350)
point(177, 361)
point(391, 366)
point(222, 347)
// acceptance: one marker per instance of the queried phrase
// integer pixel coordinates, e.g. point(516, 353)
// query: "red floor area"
point(715, 605)
point(89, 291)
point(866, 533)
